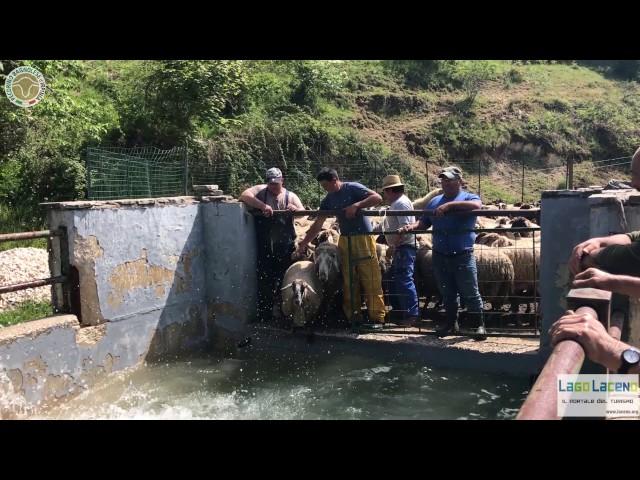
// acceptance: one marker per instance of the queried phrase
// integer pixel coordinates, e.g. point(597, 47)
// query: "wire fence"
point(114, 172)
point(138, 172)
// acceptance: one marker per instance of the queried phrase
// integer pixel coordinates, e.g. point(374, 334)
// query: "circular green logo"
point(25, 86)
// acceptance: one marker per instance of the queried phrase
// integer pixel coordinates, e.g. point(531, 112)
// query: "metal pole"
point(426, 167)
point(186, 168)
point(351, 301)
point(479, 167)
point(522, 200)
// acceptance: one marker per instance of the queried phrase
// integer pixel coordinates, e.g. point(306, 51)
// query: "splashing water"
point(295, 386)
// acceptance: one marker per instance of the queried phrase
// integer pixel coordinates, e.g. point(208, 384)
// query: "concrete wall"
point(156, 277)
point(571, 217)
point(564, 220)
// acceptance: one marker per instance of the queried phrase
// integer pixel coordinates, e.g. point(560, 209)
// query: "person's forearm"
point(370, 201)
point(464, 206)
point(619, 239)
point(252, 202)
point(414, 226)
point(313, 231)
point(626, 285)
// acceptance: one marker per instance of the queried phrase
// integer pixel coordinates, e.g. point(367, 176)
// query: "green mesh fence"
point(138, 172)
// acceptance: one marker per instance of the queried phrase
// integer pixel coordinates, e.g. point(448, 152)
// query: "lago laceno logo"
point(25, 86)
point(604, 396)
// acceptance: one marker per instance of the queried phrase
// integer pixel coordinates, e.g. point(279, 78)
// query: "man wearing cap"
point(454, 264)
point(349, 197)
point(275, 237)
point(402, 289)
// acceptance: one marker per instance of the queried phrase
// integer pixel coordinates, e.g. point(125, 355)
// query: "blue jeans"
point(457, 275)
point(402, 288)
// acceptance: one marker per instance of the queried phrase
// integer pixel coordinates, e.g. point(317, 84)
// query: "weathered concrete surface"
point(157, 277)
point(229, 240)
point(564, 221)
point(48, 360)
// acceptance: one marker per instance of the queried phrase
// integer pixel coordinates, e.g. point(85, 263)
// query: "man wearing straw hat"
point(402, 289)
point(454, 263)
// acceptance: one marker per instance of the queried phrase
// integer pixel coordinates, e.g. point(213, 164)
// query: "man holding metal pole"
point(359, 261)
point(454, 263)
point(403, 295)
point(275, 237)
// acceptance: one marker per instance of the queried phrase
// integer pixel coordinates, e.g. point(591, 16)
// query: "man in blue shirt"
point(349, 197)
point(454, 264)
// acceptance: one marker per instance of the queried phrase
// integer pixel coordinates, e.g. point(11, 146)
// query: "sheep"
point(383, 258)
point(496, 274)
point(301, 294)
point(521, 222)
point(327, 264)
point(425, 280)
point(486, 222)
point(422, 203)
point(331, 236)
point(525, 257)
point(424, 240)
point(493, 240)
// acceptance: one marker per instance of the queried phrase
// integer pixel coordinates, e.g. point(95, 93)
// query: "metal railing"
point(499, 322)
point(62, 279)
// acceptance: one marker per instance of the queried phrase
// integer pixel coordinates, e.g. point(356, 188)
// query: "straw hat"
point(391, 181)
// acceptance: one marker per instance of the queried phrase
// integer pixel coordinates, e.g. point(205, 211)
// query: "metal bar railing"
point(54, 280)
point(8, 237)
point(32, 284)
point(532, 212)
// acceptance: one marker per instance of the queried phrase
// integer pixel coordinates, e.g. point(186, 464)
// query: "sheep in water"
point(328, 270)
point(301, 293)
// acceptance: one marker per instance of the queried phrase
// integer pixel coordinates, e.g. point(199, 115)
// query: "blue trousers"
point(402, 288)
point(457, 275)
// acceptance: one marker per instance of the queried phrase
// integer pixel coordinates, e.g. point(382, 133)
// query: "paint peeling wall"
point(156, 278)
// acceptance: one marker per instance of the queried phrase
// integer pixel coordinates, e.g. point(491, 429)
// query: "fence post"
point(570, 173)
point(522, 199)
point(63, 242)
point(426, 167)
point(186, 168)
point(479, 169)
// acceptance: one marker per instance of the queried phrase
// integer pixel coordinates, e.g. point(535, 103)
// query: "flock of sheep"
point(508, 263)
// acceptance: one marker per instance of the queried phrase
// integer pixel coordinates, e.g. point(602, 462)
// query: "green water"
point(295, 386)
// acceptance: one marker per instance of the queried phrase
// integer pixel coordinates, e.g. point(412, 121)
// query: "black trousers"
point(271, 269)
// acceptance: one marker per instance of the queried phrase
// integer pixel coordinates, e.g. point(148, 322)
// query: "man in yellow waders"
point(349, 197)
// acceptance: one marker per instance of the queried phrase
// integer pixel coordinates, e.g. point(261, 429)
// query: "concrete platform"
point(517, 356)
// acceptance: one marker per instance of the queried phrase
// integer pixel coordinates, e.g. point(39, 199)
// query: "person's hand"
point(598, 345)
point(267, 211)
point(441, 210)
point(581, 250)
point(351, 211)
point(292, 208)
point(404, 229)
point(593, 278)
